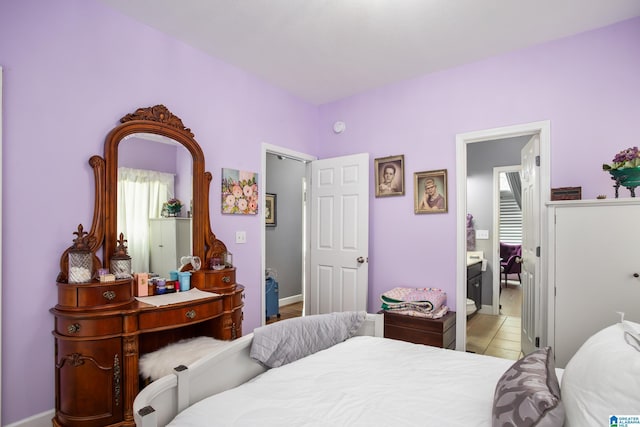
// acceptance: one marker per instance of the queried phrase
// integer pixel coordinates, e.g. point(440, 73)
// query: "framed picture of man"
point(430, 191)
point(389, 173)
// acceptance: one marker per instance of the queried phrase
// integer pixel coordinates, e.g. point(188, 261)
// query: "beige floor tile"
point(501, 352)
point(505, 344)
point(509, 335)
point(498, 336)
point(512, 321)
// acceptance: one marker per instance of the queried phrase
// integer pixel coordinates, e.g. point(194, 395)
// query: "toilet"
point(471, 306)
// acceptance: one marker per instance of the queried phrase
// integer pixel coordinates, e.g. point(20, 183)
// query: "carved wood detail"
point(158, 113)
point(96, 234)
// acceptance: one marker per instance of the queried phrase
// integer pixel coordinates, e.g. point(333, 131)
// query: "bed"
point(367, 380)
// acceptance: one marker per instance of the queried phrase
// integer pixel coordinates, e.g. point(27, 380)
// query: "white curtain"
point(141, 194)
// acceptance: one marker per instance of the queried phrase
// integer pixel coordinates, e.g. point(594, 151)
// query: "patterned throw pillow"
point(528, 393)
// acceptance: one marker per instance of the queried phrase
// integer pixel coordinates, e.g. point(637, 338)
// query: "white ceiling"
point(323, 50)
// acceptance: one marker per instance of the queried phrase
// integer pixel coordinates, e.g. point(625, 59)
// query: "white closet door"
point(597, 255)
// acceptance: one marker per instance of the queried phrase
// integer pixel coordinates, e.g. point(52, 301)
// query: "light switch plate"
point(482, 234)
point(241, 237)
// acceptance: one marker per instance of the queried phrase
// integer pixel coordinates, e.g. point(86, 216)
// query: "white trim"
point(543, 128)
point(42, 419)
point(495, 263)
point(290, 300)
point(296, 155)
point(0, 240)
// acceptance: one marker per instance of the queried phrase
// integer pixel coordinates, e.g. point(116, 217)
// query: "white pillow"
point(602, 379)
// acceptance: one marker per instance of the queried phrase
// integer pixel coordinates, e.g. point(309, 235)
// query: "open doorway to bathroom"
point(494, 327)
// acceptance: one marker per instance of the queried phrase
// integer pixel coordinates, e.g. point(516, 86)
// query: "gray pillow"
point(289, 340)
point(528, 393)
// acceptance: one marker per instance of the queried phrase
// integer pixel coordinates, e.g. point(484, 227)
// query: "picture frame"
point(270, 210)
point(566, 193)
point(430, 192)
point(239, 190)
point(389, 175)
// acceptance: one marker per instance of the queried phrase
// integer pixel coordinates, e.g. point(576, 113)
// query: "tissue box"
point(142, 284)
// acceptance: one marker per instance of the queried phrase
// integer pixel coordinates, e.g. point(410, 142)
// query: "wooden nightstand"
point(420, 330)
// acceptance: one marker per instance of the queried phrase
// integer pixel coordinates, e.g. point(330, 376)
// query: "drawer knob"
point(74, 328)
point(109, 295)
point(226, 279)
point(636, 275)
point(191, 314)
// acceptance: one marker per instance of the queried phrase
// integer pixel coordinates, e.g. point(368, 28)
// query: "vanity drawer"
point(94, 295)
point(215, 280)
point(171, 317)
point(76, 327)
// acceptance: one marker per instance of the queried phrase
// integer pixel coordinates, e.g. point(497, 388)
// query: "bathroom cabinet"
point(594, 270)
point(474, 283)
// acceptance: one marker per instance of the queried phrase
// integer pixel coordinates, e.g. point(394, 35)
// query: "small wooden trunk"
point(420, 330)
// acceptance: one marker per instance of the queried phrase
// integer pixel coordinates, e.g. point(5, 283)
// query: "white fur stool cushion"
point(161, 362)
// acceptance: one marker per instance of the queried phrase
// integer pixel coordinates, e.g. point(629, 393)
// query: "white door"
point(339, 237)
point(530, 177)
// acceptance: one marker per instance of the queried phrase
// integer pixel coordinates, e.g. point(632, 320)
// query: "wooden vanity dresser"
point(100, 328)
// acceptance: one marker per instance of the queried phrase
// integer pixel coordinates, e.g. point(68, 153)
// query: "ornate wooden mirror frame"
point(160, 121)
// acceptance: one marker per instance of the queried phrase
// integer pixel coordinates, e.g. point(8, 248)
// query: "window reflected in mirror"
point(154, 172)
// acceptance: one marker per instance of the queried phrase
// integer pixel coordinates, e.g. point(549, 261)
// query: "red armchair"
point(510, 260)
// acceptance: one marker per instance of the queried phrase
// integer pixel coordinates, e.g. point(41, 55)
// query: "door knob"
point(360, 260)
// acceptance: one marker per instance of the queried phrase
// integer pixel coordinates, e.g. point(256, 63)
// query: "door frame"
point(295, 155)
point(495, 304)
point(543, 129)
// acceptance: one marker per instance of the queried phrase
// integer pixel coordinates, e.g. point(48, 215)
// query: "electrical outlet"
point(241, 237)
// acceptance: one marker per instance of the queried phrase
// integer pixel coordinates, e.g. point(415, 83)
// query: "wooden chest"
point(420, 330)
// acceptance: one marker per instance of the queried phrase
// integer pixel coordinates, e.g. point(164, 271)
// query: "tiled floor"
point(498, 335)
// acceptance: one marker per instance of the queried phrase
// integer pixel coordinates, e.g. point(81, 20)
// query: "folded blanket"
point(418, 299)
point(288, 340)
point(432, 314)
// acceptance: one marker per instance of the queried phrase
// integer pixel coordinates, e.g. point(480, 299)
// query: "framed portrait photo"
point(270, 210)
point(389, 173)
point(430, 192)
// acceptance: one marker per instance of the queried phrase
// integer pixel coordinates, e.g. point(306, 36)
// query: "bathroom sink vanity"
point(474, 277)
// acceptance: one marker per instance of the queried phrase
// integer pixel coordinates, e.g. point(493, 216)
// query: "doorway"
point(284, 249)
point(462, 146)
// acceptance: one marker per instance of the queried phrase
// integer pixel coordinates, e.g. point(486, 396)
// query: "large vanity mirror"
point(154, 171)
point(154, 142)
point(150, 142)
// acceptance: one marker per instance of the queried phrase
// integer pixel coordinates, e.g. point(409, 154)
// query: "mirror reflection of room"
point(152, 171)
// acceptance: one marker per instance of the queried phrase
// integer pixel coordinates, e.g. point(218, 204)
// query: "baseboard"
point(290, 300)
point(486, 309)
point(39, 420)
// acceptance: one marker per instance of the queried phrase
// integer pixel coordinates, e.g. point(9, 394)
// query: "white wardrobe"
point(169, 240)
point(594, 265)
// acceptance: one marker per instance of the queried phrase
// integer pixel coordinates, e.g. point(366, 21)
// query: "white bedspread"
point(364, 381)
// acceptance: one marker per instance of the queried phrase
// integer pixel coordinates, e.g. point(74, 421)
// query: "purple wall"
point(73, 68)
point(587, 86)
point(137, 153)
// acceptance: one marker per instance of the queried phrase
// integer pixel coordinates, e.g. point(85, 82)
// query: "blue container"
point(185, 280)
point(272, 298)
point(173, 275)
